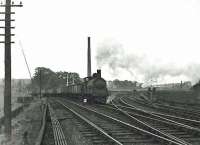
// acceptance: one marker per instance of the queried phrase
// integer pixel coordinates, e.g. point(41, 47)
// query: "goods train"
point(93, 90)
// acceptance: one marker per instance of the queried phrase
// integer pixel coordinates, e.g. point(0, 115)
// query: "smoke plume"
point(112, 55)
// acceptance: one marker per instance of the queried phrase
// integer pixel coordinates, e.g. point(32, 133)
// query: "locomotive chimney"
point(89, 59)
point(99, 73)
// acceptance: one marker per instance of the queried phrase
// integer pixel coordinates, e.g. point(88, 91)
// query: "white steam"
point(112, 55)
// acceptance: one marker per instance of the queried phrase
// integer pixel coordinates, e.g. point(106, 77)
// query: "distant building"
point(185, 85)
point(118, 84)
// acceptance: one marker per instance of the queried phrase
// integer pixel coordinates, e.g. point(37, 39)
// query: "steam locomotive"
point(93, 90)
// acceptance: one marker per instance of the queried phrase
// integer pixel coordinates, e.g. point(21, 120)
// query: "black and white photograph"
point(100, 72)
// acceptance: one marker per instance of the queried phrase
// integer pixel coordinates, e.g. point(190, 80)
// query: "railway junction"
point(88, 113)
point(123, 121)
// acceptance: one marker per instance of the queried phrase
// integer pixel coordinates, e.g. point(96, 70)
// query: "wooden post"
point(7, 44)
point(7, 90)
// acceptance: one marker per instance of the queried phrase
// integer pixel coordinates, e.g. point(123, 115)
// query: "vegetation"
point(178, 96)
point(48, 79)
point(124, 84)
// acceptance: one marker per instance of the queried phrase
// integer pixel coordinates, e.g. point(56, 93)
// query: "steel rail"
point(193, 130)
point(176, 110)
point(193, 110)
point(169, 136)
point(149, 112)
point(100, 130)
point(160, 138)
point(59, 137)
point(185, 120)
point(191, 107)
point(42, 129)
point(189, 122)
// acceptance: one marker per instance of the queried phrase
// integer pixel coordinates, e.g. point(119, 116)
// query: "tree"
point(46, 78)
point(125, 84)
point(49, 79)
point(70, 77)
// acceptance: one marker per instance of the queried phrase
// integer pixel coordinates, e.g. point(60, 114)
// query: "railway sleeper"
point(149, 136)
point(59, 137)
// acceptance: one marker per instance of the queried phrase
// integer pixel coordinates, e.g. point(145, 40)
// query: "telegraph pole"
point(7, 43)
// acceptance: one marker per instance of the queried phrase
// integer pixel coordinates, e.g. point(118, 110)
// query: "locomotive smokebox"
point(99, 73)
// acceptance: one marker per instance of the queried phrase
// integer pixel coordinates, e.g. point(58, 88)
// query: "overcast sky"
point(54, 34)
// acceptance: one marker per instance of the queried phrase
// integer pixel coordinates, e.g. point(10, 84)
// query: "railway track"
point(192, 114)
point(51, 131)
point(90, 132)
point(148, 107)
point(189, 107)
point(192, 107)
point(168, 110)
point(115, 129)
point(175, 129)
point(120, 123)
point(178, 132)
point(125, 117)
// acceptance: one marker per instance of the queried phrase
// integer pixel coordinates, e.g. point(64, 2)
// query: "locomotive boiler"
point(93, 89)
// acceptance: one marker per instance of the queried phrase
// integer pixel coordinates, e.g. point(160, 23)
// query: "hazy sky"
point(54, 34)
